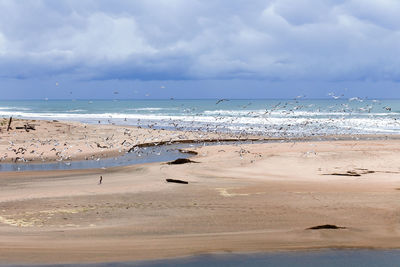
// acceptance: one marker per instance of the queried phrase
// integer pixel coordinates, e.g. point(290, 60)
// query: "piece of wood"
point(176, 181)
point(9, 124)
point(29, 126)
point(181, 161)
point(326, 226)
point(344, 174)
point(100, 146)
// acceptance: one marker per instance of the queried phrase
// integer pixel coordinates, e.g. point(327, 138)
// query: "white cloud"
point(276, 39)
point(103, 38)
point(3, 44)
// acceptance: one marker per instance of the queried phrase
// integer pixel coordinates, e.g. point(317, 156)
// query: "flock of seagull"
point(221, 127)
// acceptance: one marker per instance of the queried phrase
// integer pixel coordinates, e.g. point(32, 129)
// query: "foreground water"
point(326, 258)
point(279, 118)
point(160, 153)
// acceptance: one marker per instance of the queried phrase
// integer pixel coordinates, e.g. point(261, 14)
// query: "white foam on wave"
point(77, 110)
point(233, 112)
point(147, 109)
point(285, 113)
point(14, 108)
point(302, 124)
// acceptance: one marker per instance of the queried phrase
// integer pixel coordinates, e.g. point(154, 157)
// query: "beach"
point(239, 198)
point(199, 133)
point(64, 141)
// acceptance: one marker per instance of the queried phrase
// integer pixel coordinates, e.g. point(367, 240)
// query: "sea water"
point(276, 118)
point(325, 258)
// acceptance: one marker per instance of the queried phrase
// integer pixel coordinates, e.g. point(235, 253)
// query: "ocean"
point(276, 118)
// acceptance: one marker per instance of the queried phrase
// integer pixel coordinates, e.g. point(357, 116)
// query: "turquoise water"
point(327, 258)
point(295, 117)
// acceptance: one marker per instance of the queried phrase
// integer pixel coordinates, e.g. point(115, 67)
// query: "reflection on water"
point(325, 258)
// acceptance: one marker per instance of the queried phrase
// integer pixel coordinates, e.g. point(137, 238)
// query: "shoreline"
point(94, 148)
point(52, 141)
point(239, 258)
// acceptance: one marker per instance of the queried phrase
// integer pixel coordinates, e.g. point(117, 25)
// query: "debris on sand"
point(27, 127)
point(352, 173)
point(9, 124)
point(348, 173)
point(176, 181)
point(181, 161)
point(326, 226)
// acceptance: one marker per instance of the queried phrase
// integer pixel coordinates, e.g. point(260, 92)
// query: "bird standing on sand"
point(101, 179)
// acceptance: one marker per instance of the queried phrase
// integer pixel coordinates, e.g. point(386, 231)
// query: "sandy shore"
point(240, 198)
point(68, 141)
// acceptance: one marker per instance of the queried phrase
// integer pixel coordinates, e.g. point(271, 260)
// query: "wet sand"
point(239, 198)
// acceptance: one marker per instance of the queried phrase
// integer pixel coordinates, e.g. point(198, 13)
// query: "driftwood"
point(27, 127)
point(344, 174)
point(100, 146)
point(181, 161)
point(176, 181)
point(326, 226)
point(351, 173)
point(9, 124)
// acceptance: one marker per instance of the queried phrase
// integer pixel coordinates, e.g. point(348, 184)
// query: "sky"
point(199, 49)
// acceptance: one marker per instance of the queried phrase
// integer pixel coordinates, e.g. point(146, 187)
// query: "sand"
point(240, 198)
point(69, 141)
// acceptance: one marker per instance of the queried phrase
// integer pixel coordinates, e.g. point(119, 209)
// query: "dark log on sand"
point(100, 146)
point(181, 161)
point(9, 124)
point(351, 173)
point(325, 226)
point(345, 174)
point(27, 127)
point(176, 181)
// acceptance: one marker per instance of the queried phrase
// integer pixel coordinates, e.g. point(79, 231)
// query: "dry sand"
point(243, 198)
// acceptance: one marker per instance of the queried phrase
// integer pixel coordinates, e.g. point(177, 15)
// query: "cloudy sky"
point(199, 49)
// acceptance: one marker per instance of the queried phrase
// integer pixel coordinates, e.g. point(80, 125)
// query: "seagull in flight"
point(221, 100)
